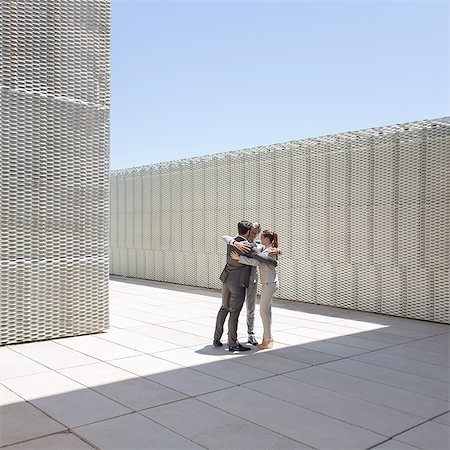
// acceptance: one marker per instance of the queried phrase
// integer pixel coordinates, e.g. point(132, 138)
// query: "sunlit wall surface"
point(54, 168)
point(363, 217)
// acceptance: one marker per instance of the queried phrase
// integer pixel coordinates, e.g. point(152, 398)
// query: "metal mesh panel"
point(54, 165)
point(363, 217)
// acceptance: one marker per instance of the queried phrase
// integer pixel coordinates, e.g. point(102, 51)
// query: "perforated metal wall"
point(363, 217)
point(54, 168)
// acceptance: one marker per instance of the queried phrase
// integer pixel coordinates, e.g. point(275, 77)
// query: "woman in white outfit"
point(269, 283)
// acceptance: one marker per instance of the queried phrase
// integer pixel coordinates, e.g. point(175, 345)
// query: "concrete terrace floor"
point(335, 379)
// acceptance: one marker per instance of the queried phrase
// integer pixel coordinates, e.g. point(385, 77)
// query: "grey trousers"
point(232, 301)
point(250, 301)
point(265, 308)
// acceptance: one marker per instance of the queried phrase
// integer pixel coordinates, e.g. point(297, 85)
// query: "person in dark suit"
point(250, 297)
point(235, 279)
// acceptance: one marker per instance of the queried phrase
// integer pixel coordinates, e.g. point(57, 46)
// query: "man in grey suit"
point(250, 297)
point(235, 278)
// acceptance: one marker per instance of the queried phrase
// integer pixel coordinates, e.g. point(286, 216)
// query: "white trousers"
point(265, 308)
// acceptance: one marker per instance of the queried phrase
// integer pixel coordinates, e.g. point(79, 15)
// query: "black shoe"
point(238, 348)
point(252, 340)
point(217, 343)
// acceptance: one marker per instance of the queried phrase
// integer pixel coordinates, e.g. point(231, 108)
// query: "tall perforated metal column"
point(363, 217)
point(54, 168)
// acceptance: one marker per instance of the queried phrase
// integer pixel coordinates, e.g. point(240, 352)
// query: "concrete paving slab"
point(443, 338)
point(338, 330)
point(142, 316)
point(190, 382)
point(393, 444)
point(270, 362)
point(430, 328)
point(169, 335)
point(22, 421)
point(383, 375)
point(291, 420)
point(416, 354)
point(54, 356)
point(133, 432)
point(389, 396)
point(367, 415)
point(60, 441)
point(430, 435)
point(98, 374)
point(315, 333)
point(124, 322)
point(333, 348)
point(300, 323)
point(360, 324)
point(314, 314)
point(140, 393)
point(193, 328)
point(179, 313)
point(124, 387)
point(143, 344)
point(64, 400)
point(145, 365)
point(13, 364)
point(419, 368)
point(7, 397)
point(444, 419)
point(277, 327)
point(304, 355)
point(193, 356)
point(31, 387)
point(216, 429)
point(431, 346)
point(233, 371)
point(377, 335)
point(97, 348)
point(359, 341)
point(412, 331)
point(290, 339)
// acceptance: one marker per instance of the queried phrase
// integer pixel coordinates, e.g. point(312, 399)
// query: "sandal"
point(266, 344)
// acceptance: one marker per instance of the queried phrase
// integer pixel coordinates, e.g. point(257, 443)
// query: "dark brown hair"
point(272, 236)
point(244, 226)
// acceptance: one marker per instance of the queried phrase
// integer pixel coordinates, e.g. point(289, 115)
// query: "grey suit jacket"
point(234, 272)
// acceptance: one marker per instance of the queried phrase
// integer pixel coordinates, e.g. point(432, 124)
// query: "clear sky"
point(193, 78)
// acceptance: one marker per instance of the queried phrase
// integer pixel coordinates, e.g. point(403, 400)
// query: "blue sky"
point(194, 78)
